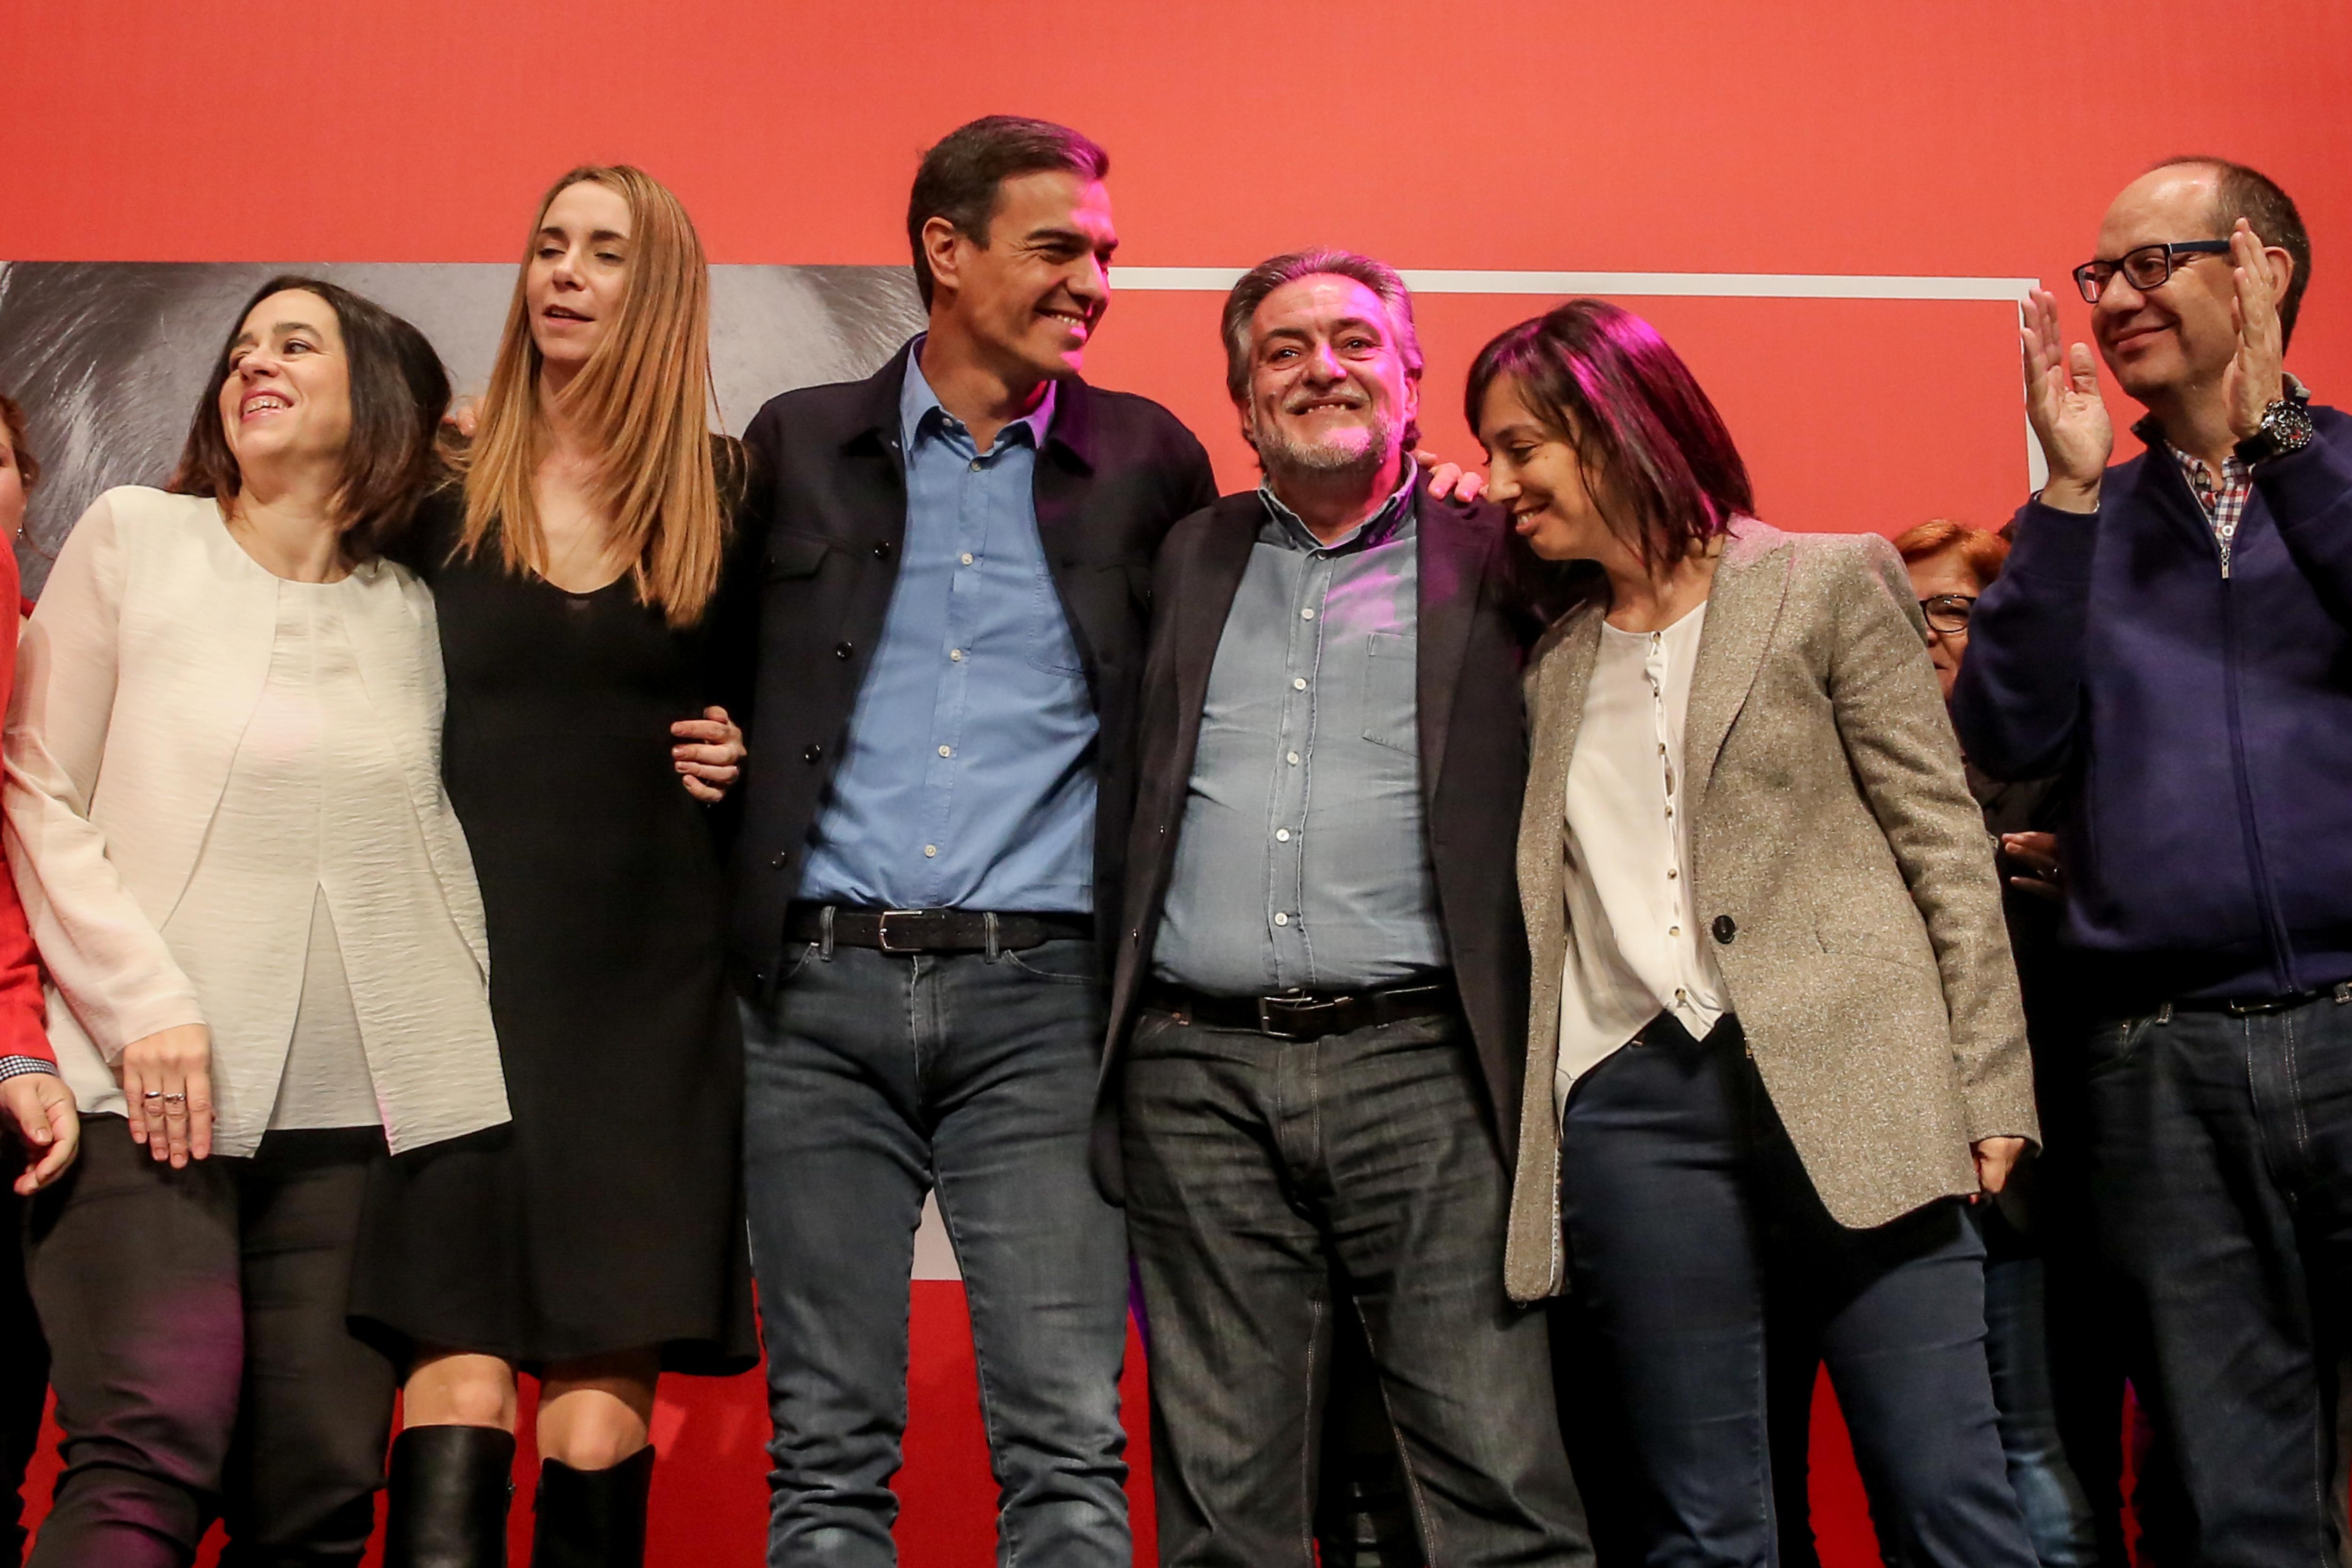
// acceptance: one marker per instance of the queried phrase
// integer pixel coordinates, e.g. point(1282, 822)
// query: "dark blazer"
point(1115, 472)
point(1475, 627)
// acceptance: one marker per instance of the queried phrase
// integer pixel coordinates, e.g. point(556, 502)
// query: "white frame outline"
point(1655, 285)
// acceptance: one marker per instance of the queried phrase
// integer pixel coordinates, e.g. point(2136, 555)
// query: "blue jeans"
point(1690, 1221)
point(871, 1080)
point(1262, 1174)
point(2222, 1175)
point(2058, 1517)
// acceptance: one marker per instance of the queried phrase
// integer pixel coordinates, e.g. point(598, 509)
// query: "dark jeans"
point(1690, 1221)
point(1363, 1510)
point(872, 1080)
point(1253, 1167)
point(24, 1369)
point(2222, 1178)
point(203, 1364)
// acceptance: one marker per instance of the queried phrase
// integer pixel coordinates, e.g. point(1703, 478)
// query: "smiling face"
point(287, 396)
point(578, 275)
point(1031, 298)
point(1328, 390)
point(1535, 474)
point(2177, 338)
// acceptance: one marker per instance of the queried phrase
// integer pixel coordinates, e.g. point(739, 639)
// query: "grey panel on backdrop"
point(109, 357)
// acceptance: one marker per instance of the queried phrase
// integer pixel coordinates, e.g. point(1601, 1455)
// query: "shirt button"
point(965, 558)
point(955, 655)
point(1674, 930)
point(975, 464)
point(1672, 873)
point(947, 750)
point(1670, 814)
point(930, 851)
point(1282, 920)
point(1682, 995)
point(1294, 759)
point(1282, 836)
point(1298, 683)
point(1305, 615)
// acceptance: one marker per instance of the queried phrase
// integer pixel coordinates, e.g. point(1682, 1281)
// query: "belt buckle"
point(882, 930)
point(1265, 1006)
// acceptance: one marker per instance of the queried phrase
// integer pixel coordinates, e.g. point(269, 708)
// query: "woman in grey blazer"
point(1773, 994)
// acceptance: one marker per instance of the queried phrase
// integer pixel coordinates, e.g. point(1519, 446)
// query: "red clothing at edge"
point(24, 1014)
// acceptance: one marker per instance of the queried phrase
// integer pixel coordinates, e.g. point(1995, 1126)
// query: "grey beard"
point(1277, 453)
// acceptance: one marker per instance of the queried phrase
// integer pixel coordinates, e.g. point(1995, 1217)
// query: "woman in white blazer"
point(223, 810)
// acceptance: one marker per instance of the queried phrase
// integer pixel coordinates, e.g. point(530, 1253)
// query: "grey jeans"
point(1254, 1166)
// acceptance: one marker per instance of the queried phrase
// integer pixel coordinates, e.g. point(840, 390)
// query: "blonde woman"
point(600, 1239)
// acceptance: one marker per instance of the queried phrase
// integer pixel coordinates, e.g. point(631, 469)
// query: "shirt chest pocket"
point(1391, 709)
point(1053, 646)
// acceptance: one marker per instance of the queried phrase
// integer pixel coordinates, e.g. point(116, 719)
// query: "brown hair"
point(959, 177)
point(1982, 551)
point(11, 418)
point(1655, 454)
point(1251, 291)
point(645, 395)
point(2242, 193)
point(398, 391)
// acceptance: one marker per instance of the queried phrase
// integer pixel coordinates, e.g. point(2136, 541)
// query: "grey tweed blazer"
point(1839, 864)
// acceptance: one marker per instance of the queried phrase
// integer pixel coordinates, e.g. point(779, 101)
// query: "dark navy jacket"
point(2205, 718)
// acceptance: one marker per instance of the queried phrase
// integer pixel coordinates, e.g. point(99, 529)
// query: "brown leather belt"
point(932, 930)
point(1305, 1015)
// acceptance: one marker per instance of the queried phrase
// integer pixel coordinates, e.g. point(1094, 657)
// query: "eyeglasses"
point(1949, 613)
point(2146, 267)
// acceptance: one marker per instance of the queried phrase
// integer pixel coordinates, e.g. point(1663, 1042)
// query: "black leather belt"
point(2257, 1006)
point(931, 931)
point(1305, 1015)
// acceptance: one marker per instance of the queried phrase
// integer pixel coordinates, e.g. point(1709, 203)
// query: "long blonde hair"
point(645, 397)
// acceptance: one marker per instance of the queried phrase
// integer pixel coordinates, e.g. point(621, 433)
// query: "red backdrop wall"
point(1829, 137)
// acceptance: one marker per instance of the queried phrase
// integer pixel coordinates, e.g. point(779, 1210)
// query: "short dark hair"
point(1251, 291)
point(961, 177)
point(1650, 442)
point(399, 393)
point(2242, 193)
point(11, 418)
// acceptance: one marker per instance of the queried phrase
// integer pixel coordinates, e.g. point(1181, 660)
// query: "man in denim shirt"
point(1321, 996)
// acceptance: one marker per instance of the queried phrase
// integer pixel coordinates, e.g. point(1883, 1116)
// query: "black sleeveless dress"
point(608, 1216)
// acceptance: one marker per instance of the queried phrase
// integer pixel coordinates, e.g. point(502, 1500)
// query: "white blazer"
point(137, 674)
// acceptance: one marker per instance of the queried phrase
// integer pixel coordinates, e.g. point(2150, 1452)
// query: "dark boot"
point(450, 1486)
point(593, 1519)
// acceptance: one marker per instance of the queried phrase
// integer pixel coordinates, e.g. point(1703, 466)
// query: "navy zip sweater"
point(2204, 718)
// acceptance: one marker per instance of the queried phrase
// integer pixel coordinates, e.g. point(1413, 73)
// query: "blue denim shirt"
point(968, 776)
point(1302, 861)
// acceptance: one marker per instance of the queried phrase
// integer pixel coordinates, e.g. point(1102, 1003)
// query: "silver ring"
point(175, 1100)
point(153, 1094)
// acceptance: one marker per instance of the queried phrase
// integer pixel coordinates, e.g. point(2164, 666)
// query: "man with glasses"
point(2175, 634)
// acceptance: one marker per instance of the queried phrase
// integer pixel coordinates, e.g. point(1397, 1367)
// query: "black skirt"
point(608, 1214)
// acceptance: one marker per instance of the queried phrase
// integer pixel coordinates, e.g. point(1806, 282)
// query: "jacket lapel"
point(1563, 674)
point(1208, 599)
point(1453, 573)
point(1743, 608)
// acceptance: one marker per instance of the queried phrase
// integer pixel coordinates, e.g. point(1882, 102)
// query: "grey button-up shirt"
point(1302, 861)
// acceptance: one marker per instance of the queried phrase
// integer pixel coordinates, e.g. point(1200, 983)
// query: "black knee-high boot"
point(593, 1519)
point(450, 1486)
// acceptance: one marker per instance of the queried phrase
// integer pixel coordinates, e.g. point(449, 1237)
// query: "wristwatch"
point(2285, 427)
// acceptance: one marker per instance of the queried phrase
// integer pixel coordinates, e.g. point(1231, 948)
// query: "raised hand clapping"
point(2062, 401)
point(2256, 377)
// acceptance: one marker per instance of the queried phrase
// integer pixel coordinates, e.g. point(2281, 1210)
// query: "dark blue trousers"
point(1690, 1221)
point(2221, 1177)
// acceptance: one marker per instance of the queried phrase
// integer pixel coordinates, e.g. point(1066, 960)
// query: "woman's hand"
point(2035, 857)
point(41, 1111)
point(710, 755)
point(167, 1079)
point(1996, 1157)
